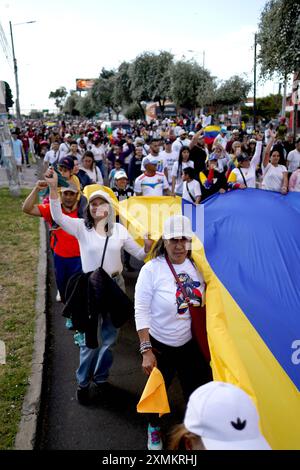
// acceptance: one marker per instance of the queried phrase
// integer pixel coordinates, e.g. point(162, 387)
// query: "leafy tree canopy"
point(279, 38)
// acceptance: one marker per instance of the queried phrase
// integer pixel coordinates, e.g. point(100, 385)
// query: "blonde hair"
point(180, 436)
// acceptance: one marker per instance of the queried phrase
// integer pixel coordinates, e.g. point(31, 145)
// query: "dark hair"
point(183, 148)
point(73, 142)
point(89, 154)
point(279, 149)
point(190, 172)
point(159, 249)
point(89, 222)
point(155, 139)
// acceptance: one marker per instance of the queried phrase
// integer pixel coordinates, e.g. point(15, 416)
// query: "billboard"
point(84, 84)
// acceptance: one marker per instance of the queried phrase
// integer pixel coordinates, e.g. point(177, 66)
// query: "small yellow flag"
point(154, 397)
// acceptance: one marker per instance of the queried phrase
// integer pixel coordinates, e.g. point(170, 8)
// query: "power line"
point(5, 46)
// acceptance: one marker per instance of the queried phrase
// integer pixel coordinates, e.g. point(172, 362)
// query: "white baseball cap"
point(102, 194)
point(177, 226)
point(224, 417)
point(119, 175)
point(182, 132)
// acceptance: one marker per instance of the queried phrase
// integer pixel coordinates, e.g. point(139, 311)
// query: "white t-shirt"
point(159, 159)
point(273, 176)
point(95, 174)
point(160, 305)
point(178, 144)
point(52, 157)
point(194, 189)
point(178, 184)
point(91, 244)
point(98, 152)
point(293, 159)
point(151, 185)
point(169, 160)
point(64, 149)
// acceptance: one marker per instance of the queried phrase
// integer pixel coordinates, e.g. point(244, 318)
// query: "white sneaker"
point(58, 299)
point(154, 438)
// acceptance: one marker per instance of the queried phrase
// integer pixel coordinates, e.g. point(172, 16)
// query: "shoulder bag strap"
point(191, 196)
point(104, 251)
point(179, 283)
point(242, 174)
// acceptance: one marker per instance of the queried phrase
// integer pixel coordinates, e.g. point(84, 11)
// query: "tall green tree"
point(71, 105)
point(267, 107)
point(59, 95)
point(86, 106)
point(122, 94)
point(150, 78)
point(233, 91)
point(102, 93)
point(279, 38)
point(191, 85)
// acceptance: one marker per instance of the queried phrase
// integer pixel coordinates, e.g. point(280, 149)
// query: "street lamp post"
point(16, 75)
point(18, 109)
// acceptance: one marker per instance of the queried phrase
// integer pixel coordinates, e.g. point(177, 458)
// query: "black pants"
point(187, 361)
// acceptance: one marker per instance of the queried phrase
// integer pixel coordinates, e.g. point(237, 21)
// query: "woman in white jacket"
point(162, 316)
point(100, 241)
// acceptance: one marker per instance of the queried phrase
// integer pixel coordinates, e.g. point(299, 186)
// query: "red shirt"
point(61, 242)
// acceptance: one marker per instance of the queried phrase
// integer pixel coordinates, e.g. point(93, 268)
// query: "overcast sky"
point(75, 39)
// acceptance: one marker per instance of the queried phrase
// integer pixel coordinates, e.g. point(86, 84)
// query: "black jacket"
point(91, 294)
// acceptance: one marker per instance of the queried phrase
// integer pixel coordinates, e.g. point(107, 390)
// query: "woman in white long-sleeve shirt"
point(93, 232)
point(162, 316)
point(244, 176)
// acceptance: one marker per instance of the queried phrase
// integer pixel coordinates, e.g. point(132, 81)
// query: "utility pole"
point(254, 83)
point(18, 111)
point(284, 96)
point(295, 96)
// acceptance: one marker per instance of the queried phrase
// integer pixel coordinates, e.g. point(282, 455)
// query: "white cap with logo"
point(101, 194)
point(177, 226)
point(225, 418)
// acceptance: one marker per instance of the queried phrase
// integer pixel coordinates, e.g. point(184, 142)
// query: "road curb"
point(26, 435)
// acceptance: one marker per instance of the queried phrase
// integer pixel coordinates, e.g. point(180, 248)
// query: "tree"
point(267, 108)
point(191, 85)
point(86, 106)
point(121, 91)
point(279, 38)
point(8, 97)
point(71, 105)
point(134, 112)
point(59, 95)
point(150, 78)
point(102, 93)
point(233, 91)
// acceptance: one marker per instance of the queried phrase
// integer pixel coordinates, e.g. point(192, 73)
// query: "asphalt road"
point(111, 424)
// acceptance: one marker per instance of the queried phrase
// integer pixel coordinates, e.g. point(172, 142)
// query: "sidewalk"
point(112, 424)
point(30, 175)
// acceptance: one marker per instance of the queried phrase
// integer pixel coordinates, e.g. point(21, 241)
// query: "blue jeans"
point(102, 168)
point(96, 363)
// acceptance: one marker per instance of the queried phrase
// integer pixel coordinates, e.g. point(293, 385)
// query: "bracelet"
point(145, 346)
point(142, 351)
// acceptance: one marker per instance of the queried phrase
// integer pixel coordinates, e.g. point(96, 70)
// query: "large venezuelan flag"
point(251, 264)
